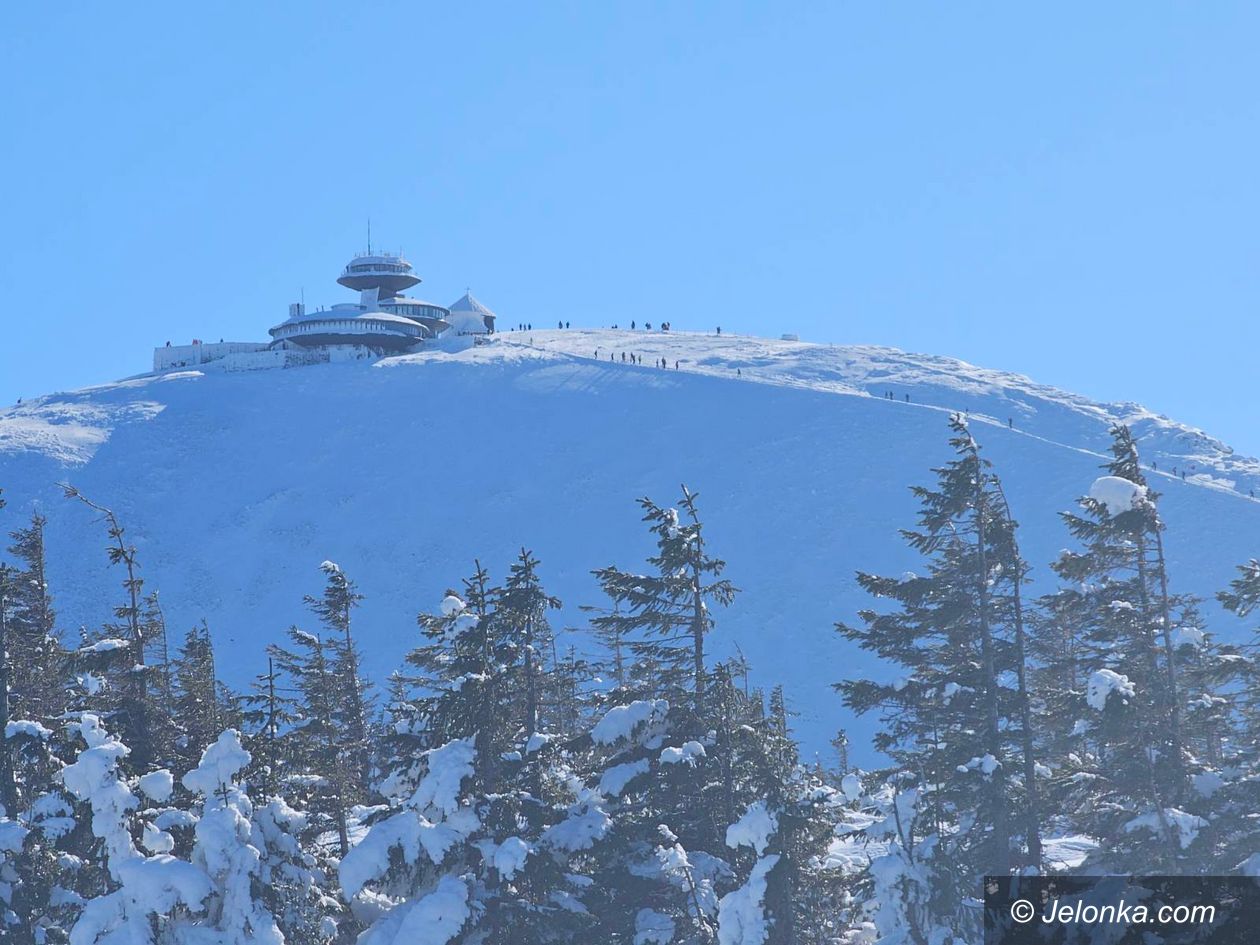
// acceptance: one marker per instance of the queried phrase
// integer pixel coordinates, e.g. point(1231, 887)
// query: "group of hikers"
point(633, 358)
point(663, 364)
point(647, 326)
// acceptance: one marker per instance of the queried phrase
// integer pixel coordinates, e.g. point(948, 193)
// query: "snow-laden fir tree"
point(35, 813)
point(37, 689)
point(664, 616)
point(140, 898)
point(292, 822)
point(485, 820)
point(954, 722)
point(1114, 701)
point(316, 755)
point(334, 609)
point(268, 710)
point(169, 744)
point(133, 706)
point(197, 700)
point(327, 748)
point(227, 852)
point(294, 884)
point(684, 758)
point(649, 747)
point(1234, 833)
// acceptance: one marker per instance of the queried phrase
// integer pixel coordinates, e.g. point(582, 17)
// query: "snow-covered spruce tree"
point(133, 708)
point(33, 813)
point(521, 607)
point(891, 852)
point(335, 608)
point(682, 754)
point(664, 616)
point(35, 816)
point(658, 869)
point(712, 839)
point(297, 885)
point(268, 711)
point(322, 761)
point(294, 885)
point(8, 783)
point(491, 788)
point(32, 840)
point(1234, 835)
point(37, 680)
point(647, 887)
point(226, 851)
point(164, 718)
point(406, 877)
point(955, 720)
point(776, 822)
point(198, 702)
point(142, 899)
point(1116, 711)
point(1219, 745)
point(805, 895)
point(1243, 595)
point(315, 752)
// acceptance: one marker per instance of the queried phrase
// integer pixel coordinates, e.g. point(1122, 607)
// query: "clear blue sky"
point(1068, 192)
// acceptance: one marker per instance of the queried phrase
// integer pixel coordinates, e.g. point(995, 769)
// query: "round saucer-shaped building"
point(384, 320)
point(348, 324)
point(390, 274)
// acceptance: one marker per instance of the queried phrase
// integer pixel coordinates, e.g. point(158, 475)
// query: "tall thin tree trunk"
point(1031, 792)
point(1001, 828)
point(1170, 656)
point(531, 683)
point(8, 788)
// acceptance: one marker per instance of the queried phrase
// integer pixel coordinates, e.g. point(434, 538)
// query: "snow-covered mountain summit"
point(236, 486)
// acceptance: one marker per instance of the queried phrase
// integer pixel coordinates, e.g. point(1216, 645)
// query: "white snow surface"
point(622, 721)
point(234, 487)
point(754, 829)
point(614, 780)
point(446, 769)
point(157, 785)
point(851, 784)
point(1118, 494)
point(27, 727)
point(742, 916)
point(509, 856)
point(1103, 683)
point(587, 823)
point(433, 919)
point(688, 753)
point(653, 928)
point(220, 763)
point(1184, 826)
point(1065, 853)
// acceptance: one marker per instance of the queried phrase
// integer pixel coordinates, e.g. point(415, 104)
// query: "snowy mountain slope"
point(236, 486)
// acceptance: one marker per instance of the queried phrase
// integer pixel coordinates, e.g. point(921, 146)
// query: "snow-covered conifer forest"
point(631, 781)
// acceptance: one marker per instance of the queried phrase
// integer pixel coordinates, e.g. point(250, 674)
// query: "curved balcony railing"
point(364, 325)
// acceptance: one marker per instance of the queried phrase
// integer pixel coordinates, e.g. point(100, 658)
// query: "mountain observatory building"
point(383, 321)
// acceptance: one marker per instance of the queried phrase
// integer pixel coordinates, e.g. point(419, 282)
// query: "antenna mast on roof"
point(369, 236)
